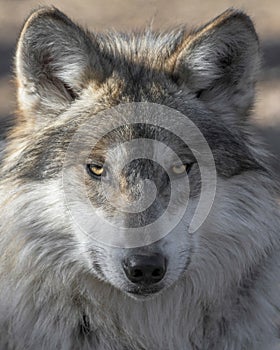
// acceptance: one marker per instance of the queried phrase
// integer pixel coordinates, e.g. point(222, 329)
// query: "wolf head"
point(69, 78)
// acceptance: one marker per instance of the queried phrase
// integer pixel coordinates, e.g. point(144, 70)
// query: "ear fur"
point(220, 61)
point(55, 59)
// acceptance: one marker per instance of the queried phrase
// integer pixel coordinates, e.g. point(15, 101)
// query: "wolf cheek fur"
point(60, 292)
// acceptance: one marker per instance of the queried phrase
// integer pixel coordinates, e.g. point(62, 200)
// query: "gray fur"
point(59, 291)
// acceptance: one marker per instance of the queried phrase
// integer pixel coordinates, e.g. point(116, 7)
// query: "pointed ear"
point(55, 60)
point(220, 61)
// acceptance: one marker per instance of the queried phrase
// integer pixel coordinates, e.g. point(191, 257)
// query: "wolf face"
point(68, 77)
point(132, 171)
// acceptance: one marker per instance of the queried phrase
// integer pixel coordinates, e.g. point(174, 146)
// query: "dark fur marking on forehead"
point(141, 131)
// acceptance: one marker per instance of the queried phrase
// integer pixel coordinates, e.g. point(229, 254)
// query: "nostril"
point(134, 274)
point(137, 273)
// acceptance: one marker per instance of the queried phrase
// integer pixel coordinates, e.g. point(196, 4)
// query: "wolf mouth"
point(144, 292)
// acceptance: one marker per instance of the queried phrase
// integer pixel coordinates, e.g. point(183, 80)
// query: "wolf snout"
point(145, 269)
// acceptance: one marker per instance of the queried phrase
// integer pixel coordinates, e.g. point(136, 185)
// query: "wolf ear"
point(220, 61)
point(54, 61)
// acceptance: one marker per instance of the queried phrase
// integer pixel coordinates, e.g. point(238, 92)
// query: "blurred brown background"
point(126, 14)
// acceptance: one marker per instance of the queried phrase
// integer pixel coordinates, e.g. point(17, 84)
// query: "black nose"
point(145, 269)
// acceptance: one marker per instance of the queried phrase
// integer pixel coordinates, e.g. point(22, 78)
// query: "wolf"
point(214, 287)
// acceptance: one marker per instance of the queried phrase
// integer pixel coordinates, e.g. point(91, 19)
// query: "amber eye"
point(96, 170)
point(180, 169)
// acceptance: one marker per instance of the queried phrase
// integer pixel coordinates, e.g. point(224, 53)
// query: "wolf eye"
point(180, 169)
point(96, 170)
